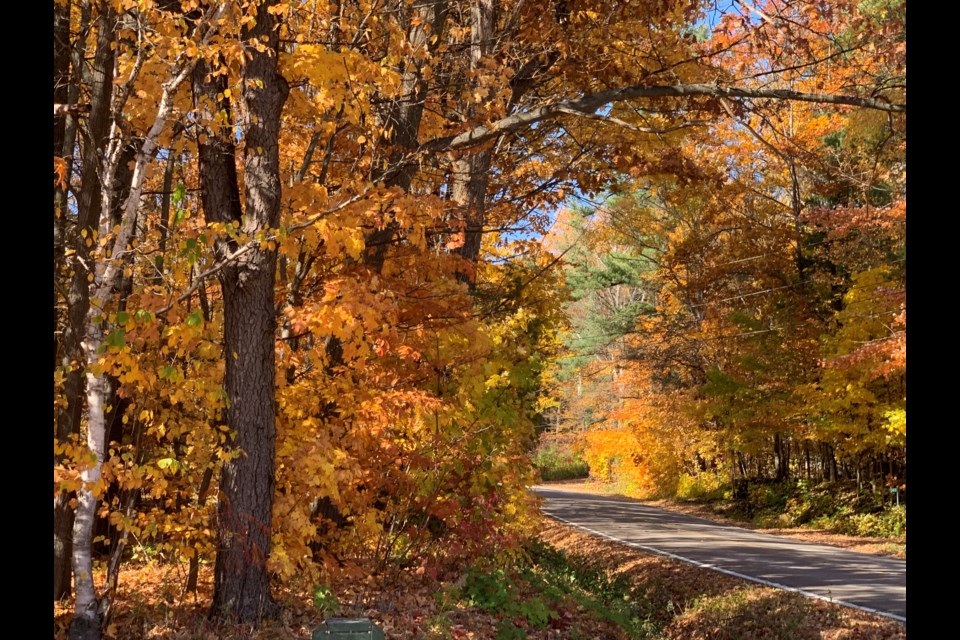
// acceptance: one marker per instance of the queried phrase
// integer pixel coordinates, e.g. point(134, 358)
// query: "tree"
point(242, 584)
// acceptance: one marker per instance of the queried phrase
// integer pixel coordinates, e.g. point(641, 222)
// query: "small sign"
point(347, 629)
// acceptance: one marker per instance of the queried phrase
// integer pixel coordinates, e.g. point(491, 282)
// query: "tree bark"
point(404, 118)
point(86, 620)
point(781, 449)
point(67, 346)
point(471, 174)
point(117, 406)
point(241, 581)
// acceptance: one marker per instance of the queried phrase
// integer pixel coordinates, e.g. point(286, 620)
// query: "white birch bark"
point(97, 387)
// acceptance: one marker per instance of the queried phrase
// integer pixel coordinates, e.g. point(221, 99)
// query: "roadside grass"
point(683, 602)
point(834, 506)
point(545, 596)
point(752, 613)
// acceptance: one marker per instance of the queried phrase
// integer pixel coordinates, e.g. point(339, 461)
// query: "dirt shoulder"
point(891, 547)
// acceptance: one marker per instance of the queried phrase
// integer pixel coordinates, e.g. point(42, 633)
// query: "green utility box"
point(347, 629)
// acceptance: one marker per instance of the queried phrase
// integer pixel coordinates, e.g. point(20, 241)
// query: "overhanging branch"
point(588, 105)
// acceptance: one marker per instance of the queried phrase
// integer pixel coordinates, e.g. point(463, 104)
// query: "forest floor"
point(895, 547)
point(570, 586)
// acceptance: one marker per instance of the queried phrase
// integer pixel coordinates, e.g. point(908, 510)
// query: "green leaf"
point(195, 318)
point(164, 463)
point(116, 339)
point(179, 194)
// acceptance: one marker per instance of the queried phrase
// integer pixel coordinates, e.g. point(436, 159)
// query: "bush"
point(555, 463)
point(703, 486)
point(890, 522)
point(829, 505)
point(324, 600)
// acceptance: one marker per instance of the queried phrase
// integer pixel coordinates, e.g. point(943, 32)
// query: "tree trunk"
point(78, 333)
point(781, 450)
point(194, 570)
point(469, 189)
point(86, 618)
point(241, 581)
point(108, 274)
point(116, 406)
point(472, 173)
point(404, 117)
point(67, 347)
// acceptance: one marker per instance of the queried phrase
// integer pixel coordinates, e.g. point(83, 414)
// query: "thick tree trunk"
point(469, 190)
point(404, 118)
point(471, 174)
point(241, 581)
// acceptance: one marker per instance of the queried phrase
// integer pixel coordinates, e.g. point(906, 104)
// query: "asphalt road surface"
point(874, 583)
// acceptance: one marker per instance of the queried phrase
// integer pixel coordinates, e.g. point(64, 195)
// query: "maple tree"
point(295, 268)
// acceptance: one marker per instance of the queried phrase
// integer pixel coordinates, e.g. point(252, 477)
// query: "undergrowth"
point(556, 463)
point(548, 590)
point(834, 506)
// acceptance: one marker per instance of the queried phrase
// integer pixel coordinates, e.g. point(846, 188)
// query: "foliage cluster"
point(744, 318)
point(559, 463)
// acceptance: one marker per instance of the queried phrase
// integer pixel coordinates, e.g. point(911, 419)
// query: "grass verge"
point(683, 602)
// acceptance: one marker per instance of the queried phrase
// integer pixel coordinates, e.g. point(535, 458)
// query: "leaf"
point(168, 463)
point(116, 339)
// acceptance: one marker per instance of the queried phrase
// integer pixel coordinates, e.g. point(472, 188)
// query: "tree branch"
point(633, 127)
point(588, 105)
point(201, 277)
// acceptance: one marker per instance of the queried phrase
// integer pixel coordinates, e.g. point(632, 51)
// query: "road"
point(873, 583)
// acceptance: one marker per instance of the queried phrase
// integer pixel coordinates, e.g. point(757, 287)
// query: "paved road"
point(866, 581)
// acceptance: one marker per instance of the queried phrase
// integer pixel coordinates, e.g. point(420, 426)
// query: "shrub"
point(555, 463)
point(890, 522)
point(703, 486)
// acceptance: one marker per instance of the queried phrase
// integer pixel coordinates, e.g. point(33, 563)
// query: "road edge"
point(768, 583)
